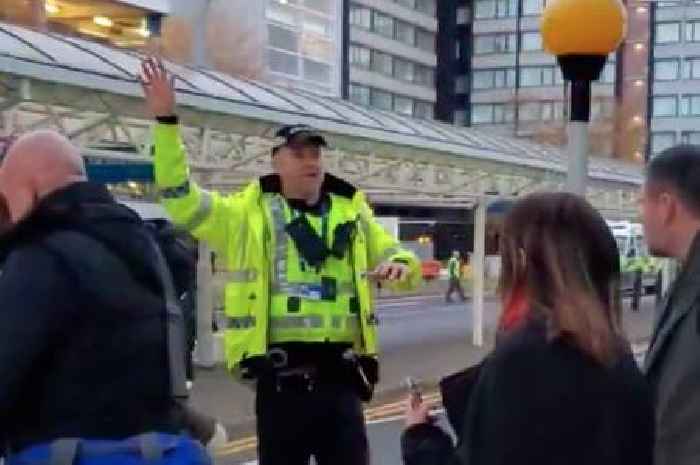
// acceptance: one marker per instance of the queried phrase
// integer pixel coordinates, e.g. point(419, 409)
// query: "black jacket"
point(536, 402)
point(83, 331)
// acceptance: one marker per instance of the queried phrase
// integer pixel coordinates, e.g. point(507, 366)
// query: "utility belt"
point(291, 370)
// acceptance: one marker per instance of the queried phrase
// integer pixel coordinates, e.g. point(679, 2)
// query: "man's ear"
point(668, 210)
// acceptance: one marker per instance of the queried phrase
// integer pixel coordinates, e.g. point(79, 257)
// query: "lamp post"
point(581, 34)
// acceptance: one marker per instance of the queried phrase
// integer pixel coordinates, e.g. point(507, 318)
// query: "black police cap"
point(298, 134)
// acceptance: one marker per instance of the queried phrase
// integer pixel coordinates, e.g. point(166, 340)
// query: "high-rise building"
point(304, 47)
point(517, 88)
point(675, 71)
point(454, 51)
point(392, 55)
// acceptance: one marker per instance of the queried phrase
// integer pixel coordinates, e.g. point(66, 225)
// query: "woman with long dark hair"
point(561, 386)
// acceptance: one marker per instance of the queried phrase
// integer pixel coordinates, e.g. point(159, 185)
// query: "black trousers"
point(455, 286)
point(295, 424)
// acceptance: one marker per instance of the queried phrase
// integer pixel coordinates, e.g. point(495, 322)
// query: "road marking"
point(440, 411)
point(381, 414)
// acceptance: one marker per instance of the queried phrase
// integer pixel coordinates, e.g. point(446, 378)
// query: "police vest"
point(312, 303)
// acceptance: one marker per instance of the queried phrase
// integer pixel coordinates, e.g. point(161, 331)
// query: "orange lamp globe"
point(583, 27)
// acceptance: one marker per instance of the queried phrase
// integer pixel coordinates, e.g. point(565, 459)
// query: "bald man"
point(84, 351)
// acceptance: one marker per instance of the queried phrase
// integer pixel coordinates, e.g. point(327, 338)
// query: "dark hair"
point(678, 168)
point(558, 250)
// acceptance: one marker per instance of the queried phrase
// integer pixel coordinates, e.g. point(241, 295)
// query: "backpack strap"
point(175, 323)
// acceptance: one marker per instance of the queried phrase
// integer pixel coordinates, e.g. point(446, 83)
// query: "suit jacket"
point(672, 367)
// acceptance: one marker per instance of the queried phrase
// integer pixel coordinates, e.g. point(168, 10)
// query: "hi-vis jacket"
point(241, 229)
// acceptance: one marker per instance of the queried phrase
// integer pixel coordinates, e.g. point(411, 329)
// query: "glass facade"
point(388, 57)
point(303, 49)
point(109, 22)
point(389, 101)
point(675, 103)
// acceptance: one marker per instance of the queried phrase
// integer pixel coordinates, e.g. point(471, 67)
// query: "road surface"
point(421, 337)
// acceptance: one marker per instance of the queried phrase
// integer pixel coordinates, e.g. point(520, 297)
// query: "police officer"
point(301, 247)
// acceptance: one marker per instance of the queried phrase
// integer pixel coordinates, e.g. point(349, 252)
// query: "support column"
point(205, 308)
point(577, 174)
point(578, 157)
point(478, 263)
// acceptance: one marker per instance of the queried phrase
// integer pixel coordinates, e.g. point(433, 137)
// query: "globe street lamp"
point(581, 34)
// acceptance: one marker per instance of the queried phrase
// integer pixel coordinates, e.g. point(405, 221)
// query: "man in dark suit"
point(671, 214)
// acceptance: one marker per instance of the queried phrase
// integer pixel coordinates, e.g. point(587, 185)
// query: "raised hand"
point(158, 87)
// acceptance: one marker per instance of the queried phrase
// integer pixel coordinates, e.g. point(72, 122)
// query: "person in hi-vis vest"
point(301, 248)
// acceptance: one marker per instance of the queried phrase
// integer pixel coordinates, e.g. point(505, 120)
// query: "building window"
point(282, 38)
point(602, 108)
point(359, 94)
point(405, 33)
point(692, 31)
point(360, 56)
point(531, 41)
point(691, 68)
point(667, 33)
point(382, 100)
point(535, 76)
point(425, 75)
point(665, 106)
point(494, 43)
point(690, 105)
point(690, 137)
point(403, 105)
point(666, 70)
point(531, 112)
point(315, 71)
point(407, 3)
point(382, 63)
point(426, 6)
point(284, 63)
point(661, 141)
point(463, 15)
point(494, 78)
point(532, 7)
point(424, 110)
point(461, 118)
point(608, 74)
point(383, 24)
point(487, 9)
point(360, 16)
point(425, 40)
point(461, 84)
point(491, 113)
point(404, 70)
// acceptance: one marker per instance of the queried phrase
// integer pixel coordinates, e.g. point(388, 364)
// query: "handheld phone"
point(414, 390)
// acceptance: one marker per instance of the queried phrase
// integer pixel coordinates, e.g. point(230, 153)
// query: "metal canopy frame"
point(89, 92)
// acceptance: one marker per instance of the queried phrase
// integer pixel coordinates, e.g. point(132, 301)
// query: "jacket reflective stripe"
point(297, 289)
point(206, 204)
point(292, 322)
point(176, 192)
point(352, 320)
point(279, 277)
point(242, 276)
point(313, 322)
point(242, 322)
